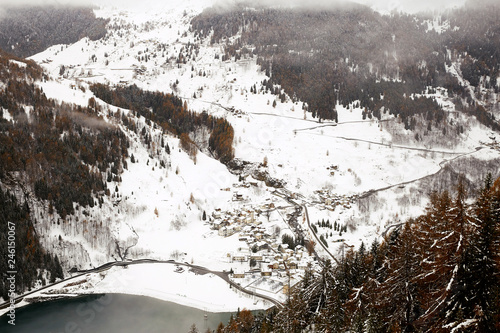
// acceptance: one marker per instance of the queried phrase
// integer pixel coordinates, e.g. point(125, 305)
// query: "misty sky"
point(384, 5)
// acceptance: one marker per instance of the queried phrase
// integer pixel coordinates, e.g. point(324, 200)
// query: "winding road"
point(390, 145)
point(303, 206)
point(441, 167)
point(195, 268)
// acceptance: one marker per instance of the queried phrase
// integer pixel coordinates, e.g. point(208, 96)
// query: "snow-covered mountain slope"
point(158, 211)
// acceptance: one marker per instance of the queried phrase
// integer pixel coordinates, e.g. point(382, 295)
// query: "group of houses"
point(262, 253)
point(230, 222)
point(332, 200)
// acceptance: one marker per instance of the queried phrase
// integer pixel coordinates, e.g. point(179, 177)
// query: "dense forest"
point(439, 272)
point(351, 54)
point(66, 151)
point(172, 115)
point(31, 262)
point(56, 154)
point(27, 30)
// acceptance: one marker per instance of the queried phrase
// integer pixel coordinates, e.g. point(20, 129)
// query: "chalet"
point(240, 257)
point(227, 231)
point(250, 218)
point(256, 257)
point(218, 224)
point(239, 275)
point(266, 272)
point(222, 231)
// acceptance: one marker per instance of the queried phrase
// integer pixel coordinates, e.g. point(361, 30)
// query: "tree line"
point(60, 152)
point(32, 29)
point(173, 115)
point(31, 262)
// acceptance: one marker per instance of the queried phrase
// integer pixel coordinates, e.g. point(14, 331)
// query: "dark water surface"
point(110, 313)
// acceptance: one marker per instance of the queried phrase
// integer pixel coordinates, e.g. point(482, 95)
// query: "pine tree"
point(245, 321)
point(332, 317)
point(457, 303)
point(232, 326)
point(294, 317)
point(445, 261)
point(399, 291)
point(433, 226)
point(484, 275)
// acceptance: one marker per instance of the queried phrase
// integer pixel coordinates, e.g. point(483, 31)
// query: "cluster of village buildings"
point(262, 253)
point(331, 200)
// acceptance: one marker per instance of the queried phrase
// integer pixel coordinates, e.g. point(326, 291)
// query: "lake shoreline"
point(160, 282)
point(111, 312)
